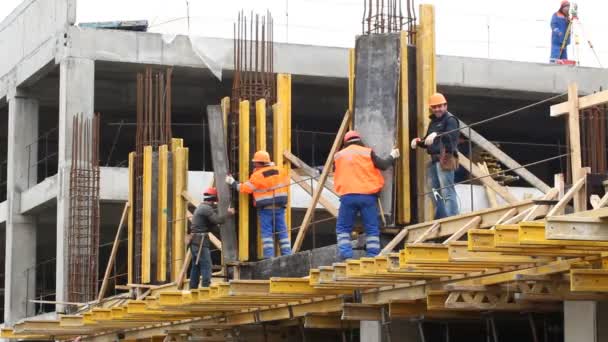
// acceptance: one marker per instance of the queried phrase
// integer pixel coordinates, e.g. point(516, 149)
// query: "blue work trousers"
point(555, 55)
point(367, 206)
point(203, 268)
point(272, 221)
point(441, 183)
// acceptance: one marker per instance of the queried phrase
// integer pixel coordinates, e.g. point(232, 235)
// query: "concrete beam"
point(39, 196)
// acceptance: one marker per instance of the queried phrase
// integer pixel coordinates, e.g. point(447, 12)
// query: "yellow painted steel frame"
point(284, 101)
point(260, 144)
point(161, 246)
point(427, 85)
point(130, 226)
point(243, 177)
point(146, 218)
point(403, 208)
point(180, 183)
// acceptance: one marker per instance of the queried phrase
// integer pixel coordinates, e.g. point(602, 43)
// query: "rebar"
point(386, 16)
point(83, 229)
point(593, 139)
point(153, 128)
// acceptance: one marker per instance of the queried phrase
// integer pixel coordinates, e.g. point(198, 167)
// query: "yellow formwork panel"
point(243, 177)
point(595, 280)
point(260, 144)
point(284, 101)
point(423, 253)
point(161, 245)
point(180, 174)
point(480, 239)
point(533, 233)
point(506, 235)
point(146, 217)
point(299, 286)
point(130, 225)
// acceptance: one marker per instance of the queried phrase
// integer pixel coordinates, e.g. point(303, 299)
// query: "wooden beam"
point(106, 277)
point(309, 171)
point(395, 241)
point(487, 181)
point(533, 214)
point(491, 194)
point(244, 157)
point(603, 201)
point(304, 184)
point(428, 232)
point(183, 270)
point(567, 197)
point(502, 157)
point(321, 183)
point(473, 224)
point(584, 102)
point(580, 201)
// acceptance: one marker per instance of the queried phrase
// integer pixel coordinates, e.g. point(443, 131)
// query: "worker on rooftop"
point(358, 181)
point(204, 220)
point(560, 32)
point(268, 184)
point(441, 142)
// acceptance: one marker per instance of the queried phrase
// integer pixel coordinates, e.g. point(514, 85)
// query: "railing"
point(43, 156)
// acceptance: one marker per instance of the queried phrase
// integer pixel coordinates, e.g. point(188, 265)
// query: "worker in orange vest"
point(268, 184)
point(357, 179)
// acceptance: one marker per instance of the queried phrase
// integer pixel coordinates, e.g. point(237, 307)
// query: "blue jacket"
point(559, 26)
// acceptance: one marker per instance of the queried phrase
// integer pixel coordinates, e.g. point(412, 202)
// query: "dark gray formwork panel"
point(219, 155)
point(376, 92)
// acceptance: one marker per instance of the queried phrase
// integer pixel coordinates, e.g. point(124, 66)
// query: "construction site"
point(110, 134)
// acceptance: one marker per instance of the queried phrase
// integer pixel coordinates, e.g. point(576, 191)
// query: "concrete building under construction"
point(109, 136)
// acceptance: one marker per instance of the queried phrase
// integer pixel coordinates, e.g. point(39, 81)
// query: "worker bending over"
point(269, 185)
point(560, 32)
point(205, 220)
point(441, 142)
point(357, 179)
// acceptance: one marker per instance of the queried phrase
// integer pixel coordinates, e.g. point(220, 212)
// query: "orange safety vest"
point(269, 186)
point(356, 172)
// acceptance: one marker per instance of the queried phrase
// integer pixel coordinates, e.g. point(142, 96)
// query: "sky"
point(514, 30)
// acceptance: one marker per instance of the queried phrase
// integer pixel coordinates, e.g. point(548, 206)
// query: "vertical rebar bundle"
point(386, 16)
point(83, 230)
point(153, 129)
point(593, 139)
point(254, 77)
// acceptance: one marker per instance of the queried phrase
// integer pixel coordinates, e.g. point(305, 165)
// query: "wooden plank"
point(603, 201)
point(491, 194)
point(309, 171)
point(534, 211)
point(473, 224)
point(580, 202)
point(487, 181)
point(106, 276)
point(587, 226)
point(304, 184)
point(260, 145)
point(403, 210)
point(321, 183)
point(584, 102)
point(428, 232)
point(567, 197)
point(183, 270)
point(163, 221)
point(502, 157)
point(284, 101)
point(219, 156)
point(395, 241)
point(131, 218)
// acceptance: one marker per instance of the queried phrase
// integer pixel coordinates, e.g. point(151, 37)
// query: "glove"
point(430, 138)
point(395, 153)
point(415, 143)
point(230, 180)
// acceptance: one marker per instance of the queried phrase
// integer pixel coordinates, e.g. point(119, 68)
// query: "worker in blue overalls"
point(560, 32)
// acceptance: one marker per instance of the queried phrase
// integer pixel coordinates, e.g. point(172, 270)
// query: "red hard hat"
point(210, 192)
point(351, 135)
point(261, 157)
point(564, 3)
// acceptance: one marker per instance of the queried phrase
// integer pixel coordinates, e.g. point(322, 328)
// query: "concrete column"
point(371, 331)
point(20, 253)
point(76, 96)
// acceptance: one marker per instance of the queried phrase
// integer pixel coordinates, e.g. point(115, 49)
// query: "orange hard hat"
point(210, 192)
point(437, 99)
point(351, 135)
point(261, 157)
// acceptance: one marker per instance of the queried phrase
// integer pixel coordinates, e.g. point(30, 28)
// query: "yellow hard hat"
point(437, 99)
